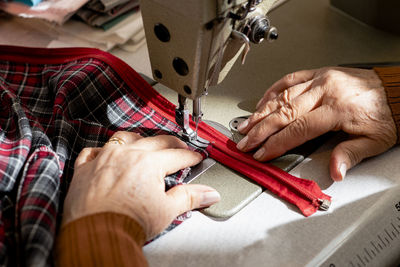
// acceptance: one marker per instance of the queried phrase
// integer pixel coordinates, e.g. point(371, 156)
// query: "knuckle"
point(85, 150)
point(138, 158)
point(353, 157)
point(113, 153)
point(288, 112)
point(286, 96)
point(190, 198)
point(120, 134)
point(282, 99)
point(258, 115)
point(332, 75)
point(352, 153)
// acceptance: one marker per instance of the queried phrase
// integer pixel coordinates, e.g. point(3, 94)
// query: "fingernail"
point(242, 144)
point(343, 170)
point(259, 154)
point(243, 125)
point(209, 198)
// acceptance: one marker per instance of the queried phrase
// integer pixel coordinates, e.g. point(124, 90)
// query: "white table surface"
point(269, 231)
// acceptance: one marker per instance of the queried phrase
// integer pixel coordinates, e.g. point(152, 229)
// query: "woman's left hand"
point(126, 176)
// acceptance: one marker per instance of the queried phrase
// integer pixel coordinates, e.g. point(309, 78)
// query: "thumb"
point(87, 154)
point(349, 153)
point(187, 197)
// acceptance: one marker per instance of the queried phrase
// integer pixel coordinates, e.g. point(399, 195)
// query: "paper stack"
point(102, 24)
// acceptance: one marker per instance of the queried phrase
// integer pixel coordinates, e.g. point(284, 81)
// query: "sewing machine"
point(194, 43)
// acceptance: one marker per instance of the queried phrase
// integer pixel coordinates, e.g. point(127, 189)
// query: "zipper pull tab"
point(324, 204)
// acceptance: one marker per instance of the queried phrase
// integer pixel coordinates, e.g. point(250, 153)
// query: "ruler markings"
point(369, 255)
point(383, 242)
point(358, 256)
point(373, 252)
point(387, 240)
point(395, 228)
point(386, 231)
point(373, 244)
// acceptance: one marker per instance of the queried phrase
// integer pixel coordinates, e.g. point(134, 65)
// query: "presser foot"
point(182, 119)
point(207, 163)
point(236, 190)
point(194, 139)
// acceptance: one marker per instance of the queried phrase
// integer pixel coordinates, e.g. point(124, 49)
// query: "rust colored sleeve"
point(390, 77)
point(103, 239)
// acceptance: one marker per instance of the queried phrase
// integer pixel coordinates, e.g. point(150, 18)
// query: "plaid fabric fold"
point(48, 114)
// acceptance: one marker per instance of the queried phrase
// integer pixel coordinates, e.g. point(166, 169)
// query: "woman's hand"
point(309, 103)
point(127, 176)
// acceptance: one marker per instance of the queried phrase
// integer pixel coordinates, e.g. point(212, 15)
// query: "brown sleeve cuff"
point(103, 239)
point(390, 77)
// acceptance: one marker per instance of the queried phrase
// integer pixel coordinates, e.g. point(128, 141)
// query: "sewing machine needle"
point(197, 125)
point(197, 114)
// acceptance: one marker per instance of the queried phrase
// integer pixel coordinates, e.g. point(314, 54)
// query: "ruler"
point(374, 240)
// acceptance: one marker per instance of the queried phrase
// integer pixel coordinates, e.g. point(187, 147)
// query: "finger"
point(183, 198)
point(123, 137)
point(351, 152)
point(159, 142)
point(86, 155)
point(268, 107)
point(287, 81)
point(173, 160)
point(281, 118)
point(310, 126)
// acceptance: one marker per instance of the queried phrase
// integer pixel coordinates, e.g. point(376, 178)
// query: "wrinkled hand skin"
point(129, 179)
point(308, 103)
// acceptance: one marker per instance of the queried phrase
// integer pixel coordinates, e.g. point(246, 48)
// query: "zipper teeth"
point(305, 192)
point(165, 109)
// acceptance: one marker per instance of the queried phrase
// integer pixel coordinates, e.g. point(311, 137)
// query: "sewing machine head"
point(194, 43)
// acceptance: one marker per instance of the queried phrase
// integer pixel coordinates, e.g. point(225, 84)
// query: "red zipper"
point(303, 193)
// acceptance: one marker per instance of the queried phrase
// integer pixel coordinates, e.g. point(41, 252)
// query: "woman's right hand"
point(309, 103)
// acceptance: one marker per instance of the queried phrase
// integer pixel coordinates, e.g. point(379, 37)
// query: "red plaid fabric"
point(48, 114)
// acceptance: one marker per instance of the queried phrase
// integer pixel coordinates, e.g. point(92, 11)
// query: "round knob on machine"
point(261, 29)
point(272, 34)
